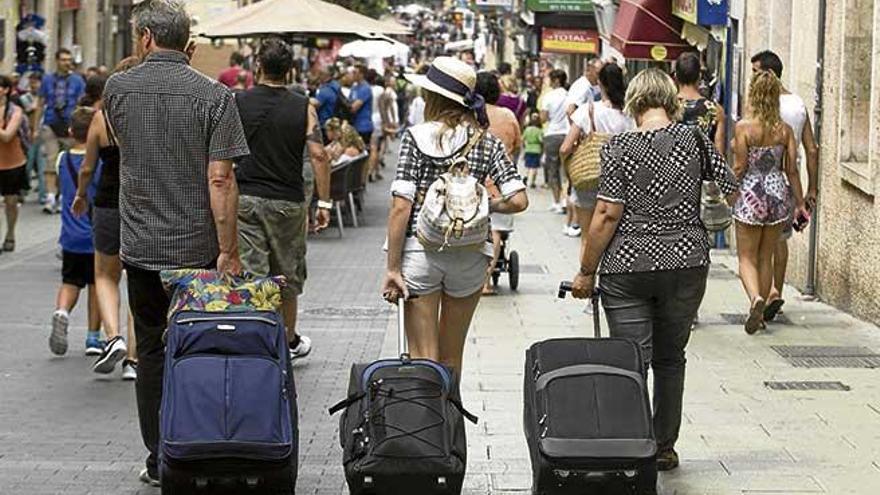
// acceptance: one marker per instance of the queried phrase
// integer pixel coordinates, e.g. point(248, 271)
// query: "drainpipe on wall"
point(812, 254)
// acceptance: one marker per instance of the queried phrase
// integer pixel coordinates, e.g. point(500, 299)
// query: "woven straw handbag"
point(584, 164)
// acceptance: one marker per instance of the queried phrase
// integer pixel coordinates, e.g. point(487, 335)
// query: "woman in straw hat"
point(448, 283)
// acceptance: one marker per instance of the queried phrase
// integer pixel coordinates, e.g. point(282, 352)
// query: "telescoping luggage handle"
point(402, 344)
point(565, 287)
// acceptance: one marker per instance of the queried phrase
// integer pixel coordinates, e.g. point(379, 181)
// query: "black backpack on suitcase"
point(587, 417)
point(402, 429)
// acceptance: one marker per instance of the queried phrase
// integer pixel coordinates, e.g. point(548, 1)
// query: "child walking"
point(78, 252)
point(533, 139)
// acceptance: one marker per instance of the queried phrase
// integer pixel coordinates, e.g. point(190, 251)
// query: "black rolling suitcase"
point(402, 428)
point(587, 417)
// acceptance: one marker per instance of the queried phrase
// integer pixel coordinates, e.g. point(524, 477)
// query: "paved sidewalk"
point(738, 436)
point(65, 430)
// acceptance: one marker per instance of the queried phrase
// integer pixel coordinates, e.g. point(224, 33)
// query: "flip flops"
point(756, 316)
point(772, 309)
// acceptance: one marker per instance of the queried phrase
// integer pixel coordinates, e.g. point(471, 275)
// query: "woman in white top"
point(608, 118)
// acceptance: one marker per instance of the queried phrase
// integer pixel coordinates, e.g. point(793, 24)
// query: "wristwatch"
point(325, 205)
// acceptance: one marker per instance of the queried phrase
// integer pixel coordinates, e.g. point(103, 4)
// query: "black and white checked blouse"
point(170, 121)
point(657, 175)
point(418, 169)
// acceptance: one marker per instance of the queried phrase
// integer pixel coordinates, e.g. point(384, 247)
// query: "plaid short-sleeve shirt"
point(170, 121)
point(417, 170)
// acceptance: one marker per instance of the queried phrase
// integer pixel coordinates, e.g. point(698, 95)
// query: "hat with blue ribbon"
point(456, 80)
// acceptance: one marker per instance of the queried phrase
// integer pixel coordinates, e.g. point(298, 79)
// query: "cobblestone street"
point(65, 431)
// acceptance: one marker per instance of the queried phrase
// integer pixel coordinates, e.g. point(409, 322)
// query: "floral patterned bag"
point(209, 290)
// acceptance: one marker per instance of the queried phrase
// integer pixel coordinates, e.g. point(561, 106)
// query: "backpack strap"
point(460, 160)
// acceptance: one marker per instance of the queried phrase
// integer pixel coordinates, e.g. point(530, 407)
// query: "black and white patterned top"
point(423, 158)
point(657, 175)
point(170, 121)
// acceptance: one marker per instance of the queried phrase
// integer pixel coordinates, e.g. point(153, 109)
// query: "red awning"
point(647, 30)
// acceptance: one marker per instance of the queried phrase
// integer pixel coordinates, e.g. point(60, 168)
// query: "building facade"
point(847, 247)
point(96, 31)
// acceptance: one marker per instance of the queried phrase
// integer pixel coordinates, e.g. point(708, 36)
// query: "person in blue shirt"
point(59, 94)
point(362, 103)
point(78, 251)
point(326, 98)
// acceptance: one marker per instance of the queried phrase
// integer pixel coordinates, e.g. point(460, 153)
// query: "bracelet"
point(587, 273)
point(325, 205)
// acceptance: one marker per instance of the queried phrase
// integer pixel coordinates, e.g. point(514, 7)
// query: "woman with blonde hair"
point(510, 97)
point(448, 282)
point(344, 140)
point(647, 234)
point(766, 165)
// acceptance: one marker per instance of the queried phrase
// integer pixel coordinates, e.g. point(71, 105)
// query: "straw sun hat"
point(449, 77)
point(454, 79)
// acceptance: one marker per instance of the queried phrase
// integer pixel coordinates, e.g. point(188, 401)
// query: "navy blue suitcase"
point(228, 420)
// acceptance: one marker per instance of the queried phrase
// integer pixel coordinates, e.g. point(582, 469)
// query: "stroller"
point(508, 259)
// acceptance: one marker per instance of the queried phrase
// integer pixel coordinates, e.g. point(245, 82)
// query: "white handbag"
point(455, 210)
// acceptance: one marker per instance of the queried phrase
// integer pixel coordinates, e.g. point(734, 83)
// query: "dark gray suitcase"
point(587, 417)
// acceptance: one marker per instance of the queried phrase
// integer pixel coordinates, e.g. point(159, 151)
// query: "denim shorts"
point(458, 273)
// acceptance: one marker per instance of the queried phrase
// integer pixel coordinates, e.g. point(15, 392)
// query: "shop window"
point(854, 146)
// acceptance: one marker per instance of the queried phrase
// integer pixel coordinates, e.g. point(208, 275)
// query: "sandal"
point(756, 316)
point(9, 245)
point(773, 309)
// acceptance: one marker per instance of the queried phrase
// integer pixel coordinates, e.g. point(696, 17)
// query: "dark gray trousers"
point(655, 310)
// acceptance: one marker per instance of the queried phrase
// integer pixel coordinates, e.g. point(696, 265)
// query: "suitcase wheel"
point(441, 482)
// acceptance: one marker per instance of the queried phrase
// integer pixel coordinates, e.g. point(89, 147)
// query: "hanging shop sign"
point(70, 4)
point(702, 12)
point(494, 4)
point(577, 41)
point(560, 5)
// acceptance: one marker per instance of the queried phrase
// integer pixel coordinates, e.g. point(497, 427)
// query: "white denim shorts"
point(458, 273)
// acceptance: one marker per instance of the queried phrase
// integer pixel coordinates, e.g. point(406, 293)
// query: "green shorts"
point(272, 239)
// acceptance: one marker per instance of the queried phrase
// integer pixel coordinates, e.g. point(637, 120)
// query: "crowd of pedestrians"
point(243, 175)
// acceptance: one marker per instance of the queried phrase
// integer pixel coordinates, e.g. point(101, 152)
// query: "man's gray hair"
point(166, 19)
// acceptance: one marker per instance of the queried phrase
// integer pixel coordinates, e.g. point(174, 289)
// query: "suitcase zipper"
point(203, 319)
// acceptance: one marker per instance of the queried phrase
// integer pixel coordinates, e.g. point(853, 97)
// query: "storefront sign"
point(659, 52)
point(560, 5)
point(702, 12)
point(494, 4)
point(70, 4)
point(569, 41)
point(685, 9)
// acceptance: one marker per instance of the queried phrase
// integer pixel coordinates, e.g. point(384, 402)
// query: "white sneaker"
point(573, 231)
point(554, 207)
point(145, 477)
point(129, 370)
point(58, 337)
point(302, 349)
point(113, 352)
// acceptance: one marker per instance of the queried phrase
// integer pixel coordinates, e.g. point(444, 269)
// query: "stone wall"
point(849, 228)
point(848, 257)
